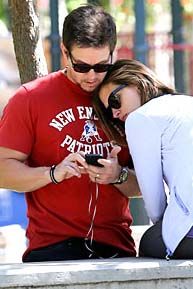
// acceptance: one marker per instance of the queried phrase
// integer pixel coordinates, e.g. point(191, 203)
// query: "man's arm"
point(130, 188)
point(16, 175)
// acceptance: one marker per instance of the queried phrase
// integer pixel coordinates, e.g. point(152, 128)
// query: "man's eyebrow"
point(81, 61)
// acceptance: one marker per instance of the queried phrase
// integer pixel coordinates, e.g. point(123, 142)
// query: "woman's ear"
point(64, 54)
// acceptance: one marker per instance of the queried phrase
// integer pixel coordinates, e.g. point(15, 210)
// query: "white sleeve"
point(144, 141)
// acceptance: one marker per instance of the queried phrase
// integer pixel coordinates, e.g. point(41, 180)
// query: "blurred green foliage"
point(123, 13)
point(3, 10)
point(153, 8)
point(72, 4)
point(121, 10)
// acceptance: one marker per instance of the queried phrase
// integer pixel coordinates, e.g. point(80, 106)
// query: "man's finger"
point(114, 152)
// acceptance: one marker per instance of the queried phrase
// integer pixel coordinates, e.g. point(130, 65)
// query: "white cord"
point(90, 233)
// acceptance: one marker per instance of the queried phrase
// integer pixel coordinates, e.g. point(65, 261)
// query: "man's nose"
point(91, 72)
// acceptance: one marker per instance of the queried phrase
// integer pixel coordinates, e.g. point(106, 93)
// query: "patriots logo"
point(90, 131)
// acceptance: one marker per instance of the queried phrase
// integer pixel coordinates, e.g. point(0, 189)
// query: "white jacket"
point(160, 139)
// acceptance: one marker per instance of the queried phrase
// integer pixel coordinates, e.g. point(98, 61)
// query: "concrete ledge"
point(130, 273)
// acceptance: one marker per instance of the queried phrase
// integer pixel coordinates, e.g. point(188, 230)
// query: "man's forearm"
point(130, 188)
point(17, 176)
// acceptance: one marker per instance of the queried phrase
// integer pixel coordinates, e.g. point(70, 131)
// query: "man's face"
point(88, 81)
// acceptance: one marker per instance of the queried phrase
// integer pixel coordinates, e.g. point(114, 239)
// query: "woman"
point(137, 109)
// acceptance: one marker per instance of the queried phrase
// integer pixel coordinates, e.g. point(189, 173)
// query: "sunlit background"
point(158, 33)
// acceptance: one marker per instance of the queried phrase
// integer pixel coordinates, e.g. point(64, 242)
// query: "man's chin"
point(89, 88)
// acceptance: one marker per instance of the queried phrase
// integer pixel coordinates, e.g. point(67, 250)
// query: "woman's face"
point(121, 99)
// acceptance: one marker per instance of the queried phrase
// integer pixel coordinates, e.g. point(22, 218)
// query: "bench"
point(130, 273)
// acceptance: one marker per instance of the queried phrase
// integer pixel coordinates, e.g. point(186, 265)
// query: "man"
point(74, 210)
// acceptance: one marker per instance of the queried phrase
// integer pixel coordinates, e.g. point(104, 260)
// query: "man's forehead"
point(87, 54)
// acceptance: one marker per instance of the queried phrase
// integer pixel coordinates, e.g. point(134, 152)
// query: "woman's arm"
point(144, 141)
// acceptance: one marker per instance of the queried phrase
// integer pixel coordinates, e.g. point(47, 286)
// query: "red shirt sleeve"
point(16, 129)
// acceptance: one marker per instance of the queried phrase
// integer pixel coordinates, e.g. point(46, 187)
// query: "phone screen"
point(91, 159)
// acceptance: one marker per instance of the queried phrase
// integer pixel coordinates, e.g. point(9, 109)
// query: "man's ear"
point(64, 54)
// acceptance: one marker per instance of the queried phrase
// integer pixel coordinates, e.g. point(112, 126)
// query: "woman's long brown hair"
point(132, 73)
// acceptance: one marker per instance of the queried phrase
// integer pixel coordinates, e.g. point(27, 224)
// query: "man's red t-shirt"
point(47, 119)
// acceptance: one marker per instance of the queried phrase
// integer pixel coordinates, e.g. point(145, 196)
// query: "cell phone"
point(91, 159)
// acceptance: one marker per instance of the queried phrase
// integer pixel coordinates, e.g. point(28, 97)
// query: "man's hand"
point(110, 170)
point(73, 165)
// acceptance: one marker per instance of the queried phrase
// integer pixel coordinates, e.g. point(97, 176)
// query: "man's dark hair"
point(89, 26)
